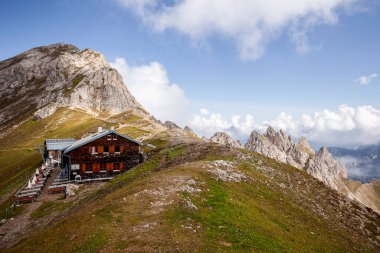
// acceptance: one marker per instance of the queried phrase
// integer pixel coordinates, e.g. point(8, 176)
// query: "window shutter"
point(121, 149)
point(112, 149)
point(83, 168)
point(121, 167)
point(90, 149)
point(109, 167)
point(100, 149)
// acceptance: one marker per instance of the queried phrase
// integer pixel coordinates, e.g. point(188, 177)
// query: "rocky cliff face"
point(321, 165)
point(225, 139)
point(279, 146)
point(325, 168)
point(44, 78)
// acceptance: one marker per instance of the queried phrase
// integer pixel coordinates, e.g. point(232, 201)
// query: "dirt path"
point(22, 225)
point(15, 229)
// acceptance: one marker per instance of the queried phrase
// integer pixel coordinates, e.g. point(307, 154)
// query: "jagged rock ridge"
point(44, 78)
point(321, 165)
point(324, 167)
point(279, 146)
point(225, 139)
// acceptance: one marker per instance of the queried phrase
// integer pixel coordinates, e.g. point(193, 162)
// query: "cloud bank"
point(251, 24)
point(206, 124)
point(151, 87)
point(348, 126)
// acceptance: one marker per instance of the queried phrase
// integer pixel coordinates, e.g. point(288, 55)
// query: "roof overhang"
point(96, 136)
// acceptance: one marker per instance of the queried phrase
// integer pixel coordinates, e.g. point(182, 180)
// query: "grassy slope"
point(279, 209)
point(19, 155)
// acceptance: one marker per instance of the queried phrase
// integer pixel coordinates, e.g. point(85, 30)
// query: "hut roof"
point(58, 144)
point(96, 136)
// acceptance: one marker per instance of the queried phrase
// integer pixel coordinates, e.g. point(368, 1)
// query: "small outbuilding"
point(54, 147)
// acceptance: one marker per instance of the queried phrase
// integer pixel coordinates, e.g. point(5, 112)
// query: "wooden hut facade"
point(103, 154)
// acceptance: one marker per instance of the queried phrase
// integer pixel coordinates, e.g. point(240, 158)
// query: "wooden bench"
point(32, 193)
point(25, 199)
point(29, 190)
point(56, 188)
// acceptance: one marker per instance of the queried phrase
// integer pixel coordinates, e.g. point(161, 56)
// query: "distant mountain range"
point(362, 163)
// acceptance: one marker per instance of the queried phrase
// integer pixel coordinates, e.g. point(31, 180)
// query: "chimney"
point(100, 129)
point(112, 128)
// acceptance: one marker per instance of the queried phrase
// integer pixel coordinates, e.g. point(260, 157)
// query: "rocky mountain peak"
point(188, 129)
point(324, 151)
point(171, 125)
point(324, 167)
point(279, 139)
point(42, 79)
point(302, 142)
point(225, 139)
point(270, 132)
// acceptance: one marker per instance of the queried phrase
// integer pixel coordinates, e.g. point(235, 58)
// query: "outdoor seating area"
point(58, 185)
point(30, 191)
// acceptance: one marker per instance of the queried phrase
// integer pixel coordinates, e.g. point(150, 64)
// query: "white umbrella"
point(29, 184)
point(34, 180)
point(37, 172)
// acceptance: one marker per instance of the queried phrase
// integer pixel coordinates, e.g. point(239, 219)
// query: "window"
point(116, 166)
point(102, 166)
point(109, 137)
point(88, 167)
point(117, 149)
point(115, 137)
point(94, 150)
point(106, 149)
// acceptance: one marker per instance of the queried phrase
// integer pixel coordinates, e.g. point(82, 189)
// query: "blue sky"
point(209, 69)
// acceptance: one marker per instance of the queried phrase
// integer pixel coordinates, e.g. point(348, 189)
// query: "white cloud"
point(206, 124)
point(347, 126)
point(204, 111)
point(364, 80)
point(283, 121)
point(151, 87)
point(250, 23)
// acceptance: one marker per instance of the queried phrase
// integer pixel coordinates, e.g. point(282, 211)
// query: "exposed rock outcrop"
point(321, 165)
point(325, 168)
point(279, 146)
point(171, 125)
point(44, 78)
point(188, 129)
point(225, 139)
